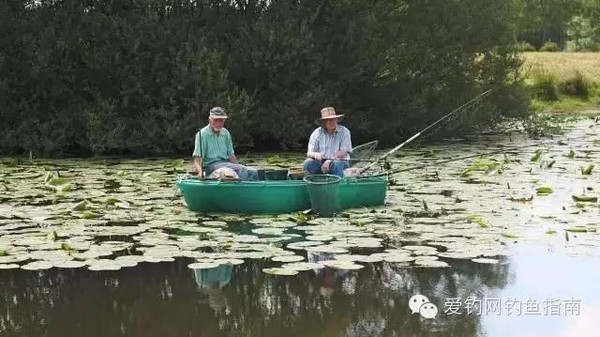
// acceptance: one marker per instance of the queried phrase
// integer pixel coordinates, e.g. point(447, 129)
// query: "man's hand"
point(340, 154)
point(326, 166)
point(200, 176)
point(317, 156)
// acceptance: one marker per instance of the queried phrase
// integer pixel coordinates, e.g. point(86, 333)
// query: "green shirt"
point(212, 147)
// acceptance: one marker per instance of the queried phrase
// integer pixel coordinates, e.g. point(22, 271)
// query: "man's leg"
point(312, 166)
point(338, 166)
point(210, 168)
point(242, 171)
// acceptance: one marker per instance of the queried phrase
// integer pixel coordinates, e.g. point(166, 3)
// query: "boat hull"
point(275, 196)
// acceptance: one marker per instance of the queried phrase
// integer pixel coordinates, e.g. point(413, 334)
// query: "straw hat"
point(328, 113)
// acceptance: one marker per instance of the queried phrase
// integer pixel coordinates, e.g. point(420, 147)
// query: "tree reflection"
point(168, 299)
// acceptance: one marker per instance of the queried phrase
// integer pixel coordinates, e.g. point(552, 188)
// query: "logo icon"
point(419, 303)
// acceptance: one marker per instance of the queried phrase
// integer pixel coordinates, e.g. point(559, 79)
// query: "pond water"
point(501, 245)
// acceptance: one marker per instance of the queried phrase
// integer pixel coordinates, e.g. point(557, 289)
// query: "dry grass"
point(564, 64)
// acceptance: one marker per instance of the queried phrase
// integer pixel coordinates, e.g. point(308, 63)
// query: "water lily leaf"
point(431, 264)
point(393, 258)
point(588, 170)
point(521, 199)
point(319, 238)
point(571, 154)
point(58, 181)
point(485, 261)
point(280, 271)
point(37, 265)
point(584, 198)
point(268, 231)
point(302, 266)
point(510, 235)
point(479, 220)
point(550, 232)
point(90, 215)
point(344, 265)
point(537, 155)
point(274, 159)
point(52, 236)
point(9, 266)
point(82, 206)
point(544, 190)
point(103, 265)
point(233, 262)
point(70, 264)
point(287, 258)
point(178, 163)
point(203, 265)
point(577, 230)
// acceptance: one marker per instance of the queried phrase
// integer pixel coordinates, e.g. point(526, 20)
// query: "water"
point(548, 248)
point(168, 299)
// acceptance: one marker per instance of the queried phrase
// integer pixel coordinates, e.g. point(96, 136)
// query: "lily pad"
point(9, 266)
point(37, 265)
point(303, 266)
point(280, 271)
point(485, 261)
point(431, 264)
point(203, 265)
point(70, 264)
point(345, 265)
point(585, 198)
point(287, 258)
point(544, 190)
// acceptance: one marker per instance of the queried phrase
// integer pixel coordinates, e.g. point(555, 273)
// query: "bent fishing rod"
point(387, 154)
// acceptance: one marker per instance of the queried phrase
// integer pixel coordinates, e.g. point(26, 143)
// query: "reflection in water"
point(211, 282)
point(327, 277)
point(164, 300)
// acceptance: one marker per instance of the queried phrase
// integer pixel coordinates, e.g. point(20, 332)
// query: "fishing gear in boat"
point(362, 153)
point(415, 136)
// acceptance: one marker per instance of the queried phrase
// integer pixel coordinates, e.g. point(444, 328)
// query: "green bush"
point(524, 46)
point(98, 77)
point(576, 85)
point(544, 85)
point(583, 45)
point(550, 46)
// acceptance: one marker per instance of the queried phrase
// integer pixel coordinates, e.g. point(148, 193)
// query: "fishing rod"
point(365, 168)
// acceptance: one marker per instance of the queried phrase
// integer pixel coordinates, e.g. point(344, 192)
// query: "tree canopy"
point(96, 76)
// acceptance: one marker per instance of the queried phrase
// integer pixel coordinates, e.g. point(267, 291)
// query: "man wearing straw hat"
point(214, 148)
point(329, 146)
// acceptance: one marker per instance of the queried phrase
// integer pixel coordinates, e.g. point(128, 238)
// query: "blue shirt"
point(212, 147)
point(327, 145)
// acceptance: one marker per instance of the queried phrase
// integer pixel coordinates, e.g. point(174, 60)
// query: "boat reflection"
point(211, 282)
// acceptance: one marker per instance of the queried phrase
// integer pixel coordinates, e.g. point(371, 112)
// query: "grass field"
point(564, 64)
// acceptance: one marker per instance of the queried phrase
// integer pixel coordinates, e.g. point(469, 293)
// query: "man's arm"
point(197, 155)
point(345, 146)
point(313, 146)
point(230, 152)
point(198, 166)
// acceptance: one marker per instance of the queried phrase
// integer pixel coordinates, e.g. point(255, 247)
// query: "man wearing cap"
point(329, 146)
point(214, 148)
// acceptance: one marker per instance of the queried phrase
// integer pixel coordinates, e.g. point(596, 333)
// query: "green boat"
point(275, 196)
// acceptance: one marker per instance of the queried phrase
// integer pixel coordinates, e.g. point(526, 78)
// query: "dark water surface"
point(168, 299)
